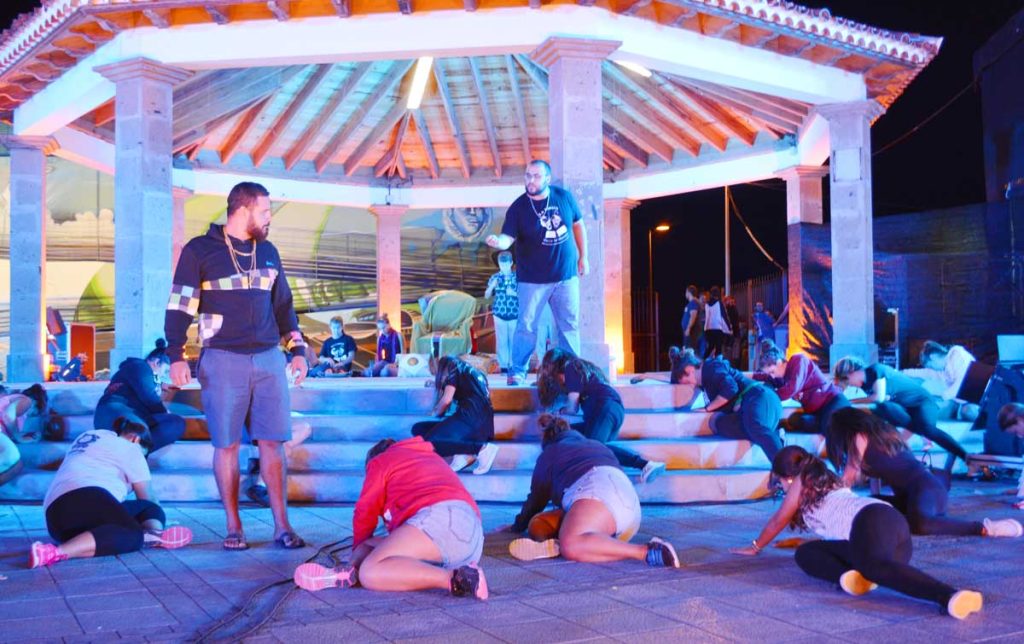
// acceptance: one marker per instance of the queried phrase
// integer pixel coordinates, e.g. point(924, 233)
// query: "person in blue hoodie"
point(134, 392)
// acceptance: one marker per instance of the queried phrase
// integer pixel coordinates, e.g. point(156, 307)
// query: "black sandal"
point(290, 541)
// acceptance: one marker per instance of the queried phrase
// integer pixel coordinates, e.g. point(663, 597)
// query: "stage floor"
point(158, 595)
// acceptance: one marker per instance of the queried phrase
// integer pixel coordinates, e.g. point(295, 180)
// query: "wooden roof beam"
point(317, 125)
point(708, 110)
point(623, 146)
point(613, 160)
point(639, 110)
point(389, 121)
point(537, 74)
point(748, 102)
point(216, 14)
point(342, 7)
point(428, 146)
point(280, 8)
point(535, 4)
point(103, 114)
point(632, 7)
point(208, 96)
point(686, 13)
point(492, 137)
point(471, 5)
point(632, 129)
point(765, 118)
point(270, 137)
point(160, 18)
point(384, 87)
point(517, 103)
point(388, 164)
point(453, 118)
point(241, 128)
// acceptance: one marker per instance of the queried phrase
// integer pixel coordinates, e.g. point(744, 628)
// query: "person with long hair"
point(865, 542)
point(434, 538)
point(899, 399)
point(85, 506)
point(860, 443)
point(798, 378)
point(135, 391)
point(742, 408)
point(952, 363)
point(716, 324)
point(601, 509)
point(22, 415)
point(586, 389)
point(469, 431)
point(389, 345)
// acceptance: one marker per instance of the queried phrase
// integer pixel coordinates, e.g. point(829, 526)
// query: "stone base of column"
point(599, 354)
point(25, 368)
point(866, 352)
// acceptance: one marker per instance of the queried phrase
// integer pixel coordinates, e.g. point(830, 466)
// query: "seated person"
point(337, 353)
point(389, 345)
point(602, 511)
point(135, 392)
point(86, 510)
point(1011, 421)
point(435, 536)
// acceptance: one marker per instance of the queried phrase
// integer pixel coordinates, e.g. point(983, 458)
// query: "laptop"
point(1011, 350)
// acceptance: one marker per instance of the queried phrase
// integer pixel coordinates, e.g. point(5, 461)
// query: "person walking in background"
point(716, 324)
point(733, 340)
point(389, 345)
point(690, 317)
point(702, 317)
point(504, 288)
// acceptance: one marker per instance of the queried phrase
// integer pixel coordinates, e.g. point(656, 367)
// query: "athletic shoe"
point(1002, 528)
point(44, 554)
point(963, 603)
point(661, 553)
point(460, 461)
point(513, 380)
point(469, 581)
point(314, 577)
point(526, 549)
point(173, 537)
point(485, 459)
point(855, 584)
point(651, 471)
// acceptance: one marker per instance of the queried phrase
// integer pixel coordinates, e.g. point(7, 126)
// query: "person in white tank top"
point(866, 542)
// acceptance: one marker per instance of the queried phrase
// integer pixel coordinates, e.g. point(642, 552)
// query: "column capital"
point(47, 144)
point(869, 109)
point(143, 68)
point(385, 211)
point(621, 203)
point(802, 171)
point(557, 47)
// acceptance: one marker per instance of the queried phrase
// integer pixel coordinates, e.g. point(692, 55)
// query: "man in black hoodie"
point(233, 278)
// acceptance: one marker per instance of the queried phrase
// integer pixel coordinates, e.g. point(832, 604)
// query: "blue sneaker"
point(660, 553)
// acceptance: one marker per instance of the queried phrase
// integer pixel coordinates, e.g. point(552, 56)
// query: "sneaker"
point(44, 554)
point(963, 603)
point(460, 461)
point(1002, 528)
point(314, 577)
point(485, 459)
point(513, 380)
point(526, 549)
point(173, 537)
point(651, 471)
point(855, 584)
point(661, 553)
point(469, 581)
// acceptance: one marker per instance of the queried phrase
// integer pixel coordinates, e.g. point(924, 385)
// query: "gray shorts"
point(237, 385)
point(455, 529)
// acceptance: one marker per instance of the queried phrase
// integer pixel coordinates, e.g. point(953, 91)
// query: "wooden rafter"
point(492, 137)
point(648, 140)
point(217, 14)
point(613, 160)
point(103, 114)
point(183, 139)
point(453, 119)
point(389, 121)
point(280, 8)
point(632, 7)
point(384, 87)
point(471, 5)
point(640, 111)
point(685, 14)
point(240, 129)
point(324, 116)
point(270, 137)
point(766, 111)
point(708, 110)
point(428, 146)
point(537, 74)
point(620, 144)
point(389, 163)
point(161, 18)
point(342, 7)
point(517, 102)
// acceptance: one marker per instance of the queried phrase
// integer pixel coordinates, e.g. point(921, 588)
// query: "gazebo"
point(437, 104)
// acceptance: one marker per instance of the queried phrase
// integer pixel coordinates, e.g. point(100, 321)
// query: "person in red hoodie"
point(798, 378)
point(434, 535)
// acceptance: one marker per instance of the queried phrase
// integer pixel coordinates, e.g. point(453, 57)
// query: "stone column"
point(853, 312)
point(577, 161)
point(618, 281)
point(25, 363)
point(143, 201)
point(389, 261)
point(803, 209)
point(179, 196)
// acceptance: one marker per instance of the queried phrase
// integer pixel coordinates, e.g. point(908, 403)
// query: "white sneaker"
point(855, 584)
point(1002, 528)
point(460, 461)
point(485, 459)
point(963, 603)
point(651, 471)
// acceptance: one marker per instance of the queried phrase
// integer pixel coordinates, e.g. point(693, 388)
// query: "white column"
point(389, 261)
point(803, 208)
point(143, 201)
point(179, 196)
point(618, 281)
point(853, 313)
point(25, 363)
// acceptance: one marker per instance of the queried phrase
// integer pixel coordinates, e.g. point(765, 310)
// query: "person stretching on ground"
point(86, 511)
point(586, 389)
point(861, 443)
point(602, 510)
point(435, 537)
point(1011, 421)
point(743, 408)
point(865, 542)
point(898, 399)
point(800, 379)
point(21, 418)
point(469, 430)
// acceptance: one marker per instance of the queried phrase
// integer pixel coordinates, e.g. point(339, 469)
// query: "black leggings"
point(457, 434)
point(924, 502)
point(920, 415)
point(602, 421)
point(879, 548)
point(116, 527)
point(817, 423)
point(715, 339)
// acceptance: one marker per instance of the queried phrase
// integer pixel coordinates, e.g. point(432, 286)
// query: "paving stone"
point(111, 601)
point(54, 626)
point(109, 621)
point(425, 623)
point(497, 612)
point(347, 631)
point(548, 630)
point(13, 610)
point(468, 636)
point(623, 621)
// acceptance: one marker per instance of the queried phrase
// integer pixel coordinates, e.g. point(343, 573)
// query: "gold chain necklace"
point(235, 253)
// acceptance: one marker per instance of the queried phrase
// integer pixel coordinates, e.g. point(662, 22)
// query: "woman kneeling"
point(602, 510)
point(435, 536)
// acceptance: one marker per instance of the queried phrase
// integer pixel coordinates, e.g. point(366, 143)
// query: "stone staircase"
point(663, 422)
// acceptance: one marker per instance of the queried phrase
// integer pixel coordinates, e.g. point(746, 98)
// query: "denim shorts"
point(612, 487)
point(240, 385)
point(455, 529)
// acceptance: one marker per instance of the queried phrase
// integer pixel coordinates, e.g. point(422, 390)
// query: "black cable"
point(735, 209)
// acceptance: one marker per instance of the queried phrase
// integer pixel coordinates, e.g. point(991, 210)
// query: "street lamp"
point(661, 228)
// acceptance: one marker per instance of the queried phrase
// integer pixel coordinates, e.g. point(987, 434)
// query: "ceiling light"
point(419, 82)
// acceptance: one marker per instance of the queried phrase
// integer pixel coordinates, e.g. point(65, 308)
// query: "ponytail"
point(816, 480)
point(552, 427)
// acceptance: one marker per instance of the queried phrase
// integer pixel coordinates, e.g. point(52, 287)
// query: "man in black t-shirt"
point(551, 253)
point(338, 351)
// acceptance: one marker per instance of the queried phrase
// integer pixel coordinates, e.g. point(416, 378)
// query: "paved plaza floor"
point(159, 595)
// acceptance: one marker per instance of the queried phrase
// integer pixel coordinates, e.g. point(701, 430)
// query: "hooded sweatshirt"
point(134, 386)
